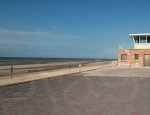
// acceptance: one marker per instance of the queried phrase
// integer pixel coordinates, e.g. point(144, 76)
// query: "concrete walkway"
point(48, 74)
point(121, 72)
point(81, 94)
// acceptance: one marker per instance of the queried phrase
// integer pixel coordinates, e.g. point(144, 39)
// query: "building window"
point(136, 39)
point(124, 57)
point(136, 56)
point(148, 39)
point(142, 39)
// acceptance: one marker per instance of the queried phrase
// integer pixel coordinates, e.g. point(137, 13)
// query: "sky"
point(70, 28)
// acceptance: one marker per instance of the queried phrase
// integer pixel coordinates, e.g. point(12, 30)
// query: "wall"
point(142, 46)
point(131, 61)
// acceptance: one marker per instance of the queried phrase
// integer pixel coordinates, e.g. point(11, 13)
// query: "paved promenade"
point(98, 92)
point(121, 72)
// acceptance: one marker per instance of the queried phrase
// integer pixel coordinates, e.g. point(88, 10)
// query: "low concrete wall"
point(114, 63)
point(47, 74)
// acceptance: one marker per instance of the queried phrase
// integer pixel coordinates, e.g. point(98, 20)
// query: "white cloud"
point(19, 34)
point(18, 38)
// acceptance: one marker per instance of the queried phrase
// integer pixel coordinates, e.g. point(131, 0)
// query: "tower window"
point(148, 39)
point(136, 39)
point(142, 39)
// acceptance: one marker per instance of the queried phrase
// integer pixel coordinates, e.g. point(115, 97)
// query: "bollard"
point(26, 69)
point(80, 67)
point(11, 71)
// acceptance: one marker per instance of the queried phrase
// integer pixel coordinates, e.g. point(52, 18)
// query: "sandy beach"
point(32, 66)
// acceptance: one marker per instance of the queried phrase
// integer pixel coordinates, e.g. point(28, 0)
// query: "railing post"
point(11, 71)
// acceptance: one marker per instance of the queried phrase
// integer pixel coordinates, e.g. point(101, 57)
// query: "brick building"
point(139, 55)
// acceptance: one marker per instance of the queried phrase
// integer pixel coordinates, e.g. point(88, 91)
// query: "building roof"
point(139, 34)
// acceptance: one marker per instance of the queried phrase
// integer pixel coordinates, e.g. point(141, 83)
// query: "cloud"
point(19, 34)
point(18, 38)
point(43, 43)
point(36, 43)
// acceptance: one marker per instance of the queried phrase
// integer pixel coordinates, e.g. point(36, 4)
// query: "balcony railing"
point(125, 46)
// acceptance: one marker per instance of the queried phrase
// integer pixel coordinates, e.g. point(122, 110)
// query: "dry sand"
point(21, 78)
point(30, 67)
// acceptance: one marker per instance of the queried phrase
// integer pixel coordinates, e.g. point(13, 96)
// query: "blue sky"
point(70, 28)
